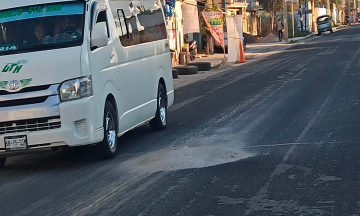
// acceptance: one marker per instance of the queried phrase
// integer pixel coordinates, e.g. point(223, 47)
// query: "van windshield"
point(39, 27)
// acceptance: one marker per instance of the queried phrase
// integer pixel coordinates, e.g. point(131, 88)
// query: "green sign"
point(14, 67)
point(31, 10)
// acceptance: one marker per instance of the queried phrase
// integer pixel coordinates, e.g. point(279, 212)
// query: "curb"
point(339, 27)
point(312, 34)
point(219, 64)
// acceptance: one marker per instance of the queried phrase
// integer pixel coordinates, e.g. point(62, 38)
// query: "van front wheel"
point(109, 144)
point(160, 120)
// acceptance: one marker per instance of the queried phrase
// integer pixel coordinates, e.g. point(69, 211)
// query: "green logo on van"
point(8, 85)
point(14, 67)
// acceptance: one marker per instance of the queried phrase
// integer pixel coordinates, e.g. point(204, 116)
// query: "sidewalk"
point(258, 48)
point(252, 51)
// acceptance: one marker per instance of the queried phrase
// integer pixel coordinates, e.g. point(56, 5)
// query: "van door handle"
point(112, 57)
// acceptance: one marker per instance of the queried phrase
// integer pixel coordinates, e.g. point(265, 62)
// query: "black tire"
point(107, 147)
point(331, 31)
point(160, 120)
point(2, 162)
point(175, 73)
point(187, 70)
point(319, 34)
point(202, 66)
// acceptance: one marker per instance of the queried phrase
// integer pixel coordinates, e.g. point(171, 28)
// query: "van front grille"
point(27, 89)
point(30, 125)
point(20, 102)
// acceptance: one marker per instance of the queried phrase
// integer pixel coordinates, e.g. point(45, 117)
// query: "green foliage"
point(212, 7)
point(278, 6)
point(271, 5)
point(324, 2)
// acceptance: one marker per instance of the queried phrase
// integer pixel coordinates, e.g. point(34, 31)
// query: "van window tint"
point(101, 21)
point(138, 22)
point(41, 27)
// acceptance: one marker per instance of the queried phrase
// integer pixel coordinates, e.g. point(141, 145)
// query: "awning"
point(190, 17)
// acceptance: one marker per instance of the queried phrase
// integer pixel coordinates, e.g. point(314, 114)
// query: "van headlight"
point(76, 88)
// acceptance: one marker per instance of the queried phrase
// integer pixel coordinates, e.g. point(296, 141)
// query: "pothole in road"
point(185, 158)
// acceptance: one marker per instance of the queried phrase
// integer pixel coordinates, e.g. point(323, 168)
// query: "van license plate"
point(14, 143)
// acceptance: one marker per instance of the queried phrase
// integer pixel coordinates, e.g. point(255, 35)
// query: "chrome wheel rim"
point(110, 132)
point(162, 109)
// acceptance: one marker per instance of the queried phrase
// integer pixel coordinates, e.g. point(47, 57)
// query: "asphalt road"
point(276, 136)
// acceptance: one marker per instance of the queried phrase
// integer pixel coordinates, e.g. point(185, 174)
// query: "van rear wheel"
point(109, 144)
point(160, 120)
point(2, 162)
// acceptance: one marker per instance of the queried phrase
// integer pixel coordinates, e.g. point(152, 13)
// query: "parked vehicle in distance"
point(77, 73)
point(324, 24)
point(358, 17)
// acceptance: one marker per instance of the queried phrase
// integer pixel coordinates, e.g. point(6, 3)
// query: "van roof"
point(6, 4)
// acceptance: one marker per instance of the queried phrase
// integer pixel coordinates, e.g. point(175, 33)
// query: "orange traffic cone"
point(242, 53)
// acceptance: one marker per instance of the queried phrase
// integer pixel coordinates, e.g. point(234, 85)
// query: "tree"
point(272, 6)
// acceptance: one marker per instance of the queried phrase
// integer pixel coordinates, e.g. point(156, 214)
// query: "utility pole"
point(292, 16)
point(224, 10)
point(301, 16)
point(313, 17)
point(355, 6)
point(328, 7)
point(286, 37)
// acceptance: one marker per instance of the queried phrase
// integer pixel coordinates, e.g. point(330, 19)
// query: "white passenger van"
point(75, 73)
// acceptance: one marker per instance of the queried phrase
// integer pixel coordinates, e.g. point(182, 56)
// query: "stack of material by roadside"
point(269, 38)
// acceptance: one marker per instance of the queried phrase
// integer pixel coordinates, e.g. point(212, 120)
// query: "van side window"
point(138, 22)
point(101, 21)
point(122, 27)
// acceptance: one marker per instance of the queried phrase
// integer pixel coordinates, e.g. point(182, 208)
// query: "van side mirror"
point(99, 37)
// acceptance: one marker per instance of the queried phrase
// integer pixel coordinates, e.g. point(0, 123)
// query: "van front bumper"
point(77, 127)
